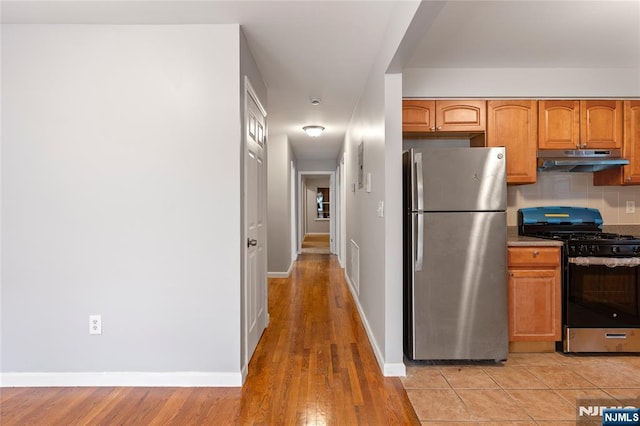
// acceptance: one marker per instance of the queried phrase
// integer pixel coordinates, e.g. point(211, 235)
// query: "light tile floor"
point(527, 389)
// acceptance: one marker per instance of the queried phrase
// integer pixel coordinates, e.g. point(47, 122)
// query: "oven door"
point(602, 292)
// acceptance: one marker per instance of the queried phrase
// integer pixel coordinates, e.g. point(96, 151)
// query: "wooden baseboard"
point(532, 346)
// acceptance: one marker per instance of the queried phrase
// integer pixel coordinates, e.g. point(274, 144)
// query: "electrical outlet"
point(95, 324)
point(631, 206)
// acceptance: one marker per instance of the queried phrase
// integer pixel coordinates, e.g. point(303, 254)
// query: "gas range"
point(601, 278)
point(604, 245)
point(579, 228)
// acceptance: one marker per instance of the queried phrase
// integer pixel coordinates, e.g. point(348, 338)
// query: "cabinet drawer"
point(534, 256)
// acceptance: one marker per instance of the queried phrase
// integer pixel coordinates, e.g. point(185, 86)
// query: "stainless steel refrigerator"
point(455, 254)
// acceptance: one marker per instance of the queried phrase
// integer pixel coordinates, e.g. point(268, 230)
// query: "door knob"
point(251, 242)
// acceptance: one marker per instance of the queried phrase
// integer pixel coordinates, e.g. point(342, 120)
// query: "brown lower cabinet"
point(534, 288)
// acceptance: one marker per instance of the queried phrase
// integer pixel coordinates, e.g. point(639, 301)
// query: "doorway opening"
point(316, 212)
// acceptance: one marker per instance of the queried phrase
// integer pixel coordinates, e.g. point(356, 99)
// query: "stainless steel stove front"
point(601, 339)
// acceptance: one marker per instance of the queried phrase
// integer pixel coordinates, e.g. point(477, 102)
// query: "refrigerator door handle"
point(419, 181)
point(420, 207)
point(420, 242)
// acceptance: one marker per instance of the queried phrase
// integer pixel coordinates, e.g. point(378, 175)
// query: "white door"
point(255, 294)
point(294, 226)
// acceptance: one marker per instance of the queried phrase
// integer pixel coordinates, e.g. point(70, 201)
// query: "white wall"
point(521, 82)
point(316, 165)
point(313, 225)
point(279, 205)
point(380, 286)
point(121, 197)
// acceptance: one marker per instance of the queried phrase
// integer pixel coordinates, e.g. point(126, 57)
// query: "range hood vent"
point(579, 160)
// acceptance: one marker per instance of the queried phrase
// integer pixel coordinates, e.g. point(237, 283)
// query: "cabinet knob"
point(584, 145)
point(439, 127)
point(433, 129)
point(536, 253)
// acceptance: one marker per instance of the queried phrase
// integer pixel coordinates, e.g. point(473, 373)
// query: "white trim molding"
point(281, 274)
point(278, 275)
point(388, 369)
point(126, 379)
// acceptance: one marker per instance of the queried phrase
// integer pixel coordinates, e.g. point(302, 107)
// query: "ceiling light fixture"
point(313, 131)
point(315, 101)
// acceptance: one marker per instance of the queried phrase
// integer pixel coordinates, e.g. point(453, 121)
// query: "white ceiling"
point(325, 49)
point(532, 34)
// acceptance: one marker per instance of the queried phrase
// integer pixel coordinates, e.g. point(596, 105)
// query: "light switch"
point(381, 208)
point(368, 183)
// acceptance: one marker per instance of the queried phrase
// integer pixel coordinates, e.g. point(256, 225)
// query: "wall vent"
point(355, 267)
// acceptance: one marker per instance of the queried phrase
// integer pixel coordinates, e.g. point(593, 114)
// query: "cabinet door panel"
point(627, 175)
point(513, 124)
point(534, 305)
point(418, 115)
point(462, 115)
point(601, 124)
point(559, 124)
point(632, 141)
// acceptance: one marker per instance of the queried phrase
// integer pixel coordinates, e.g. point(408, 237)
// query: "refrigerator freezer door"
point(459, 299)
point(461, 179)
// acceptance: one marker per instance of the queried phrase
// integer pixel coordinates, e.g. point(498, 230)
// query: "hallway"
point(313, 366)
point(316, 243)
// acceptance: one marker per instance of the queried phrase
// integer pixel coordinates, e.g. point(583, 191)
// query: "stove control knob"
point(636, 249)
point(615, 249)
point(593, 249)
point(582, 249)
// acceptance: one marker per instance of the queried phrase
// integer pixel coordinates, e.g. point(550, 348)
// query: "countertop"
point(514, 240)
point(623, 229)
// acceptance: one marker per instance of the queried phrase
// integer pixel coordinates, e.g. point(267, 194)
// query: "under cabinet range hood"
point(579, 160)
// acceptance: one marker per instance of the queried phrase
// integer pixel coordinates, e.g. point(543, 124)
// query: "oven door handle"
point(610, 262)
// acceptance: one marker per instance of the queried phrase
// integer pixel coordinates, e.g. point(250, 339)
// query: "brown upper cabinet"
point(630, 174)
point(584, 124)
point(514, 124)
point(429, 116)
point(559, 124)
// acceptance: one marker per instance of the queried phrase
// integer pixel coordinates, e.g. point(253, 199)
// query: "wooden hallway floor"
point(313, 366)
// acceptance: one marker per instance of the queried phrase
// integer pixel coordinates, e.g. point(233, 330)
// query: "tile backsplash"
point(577, 190)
